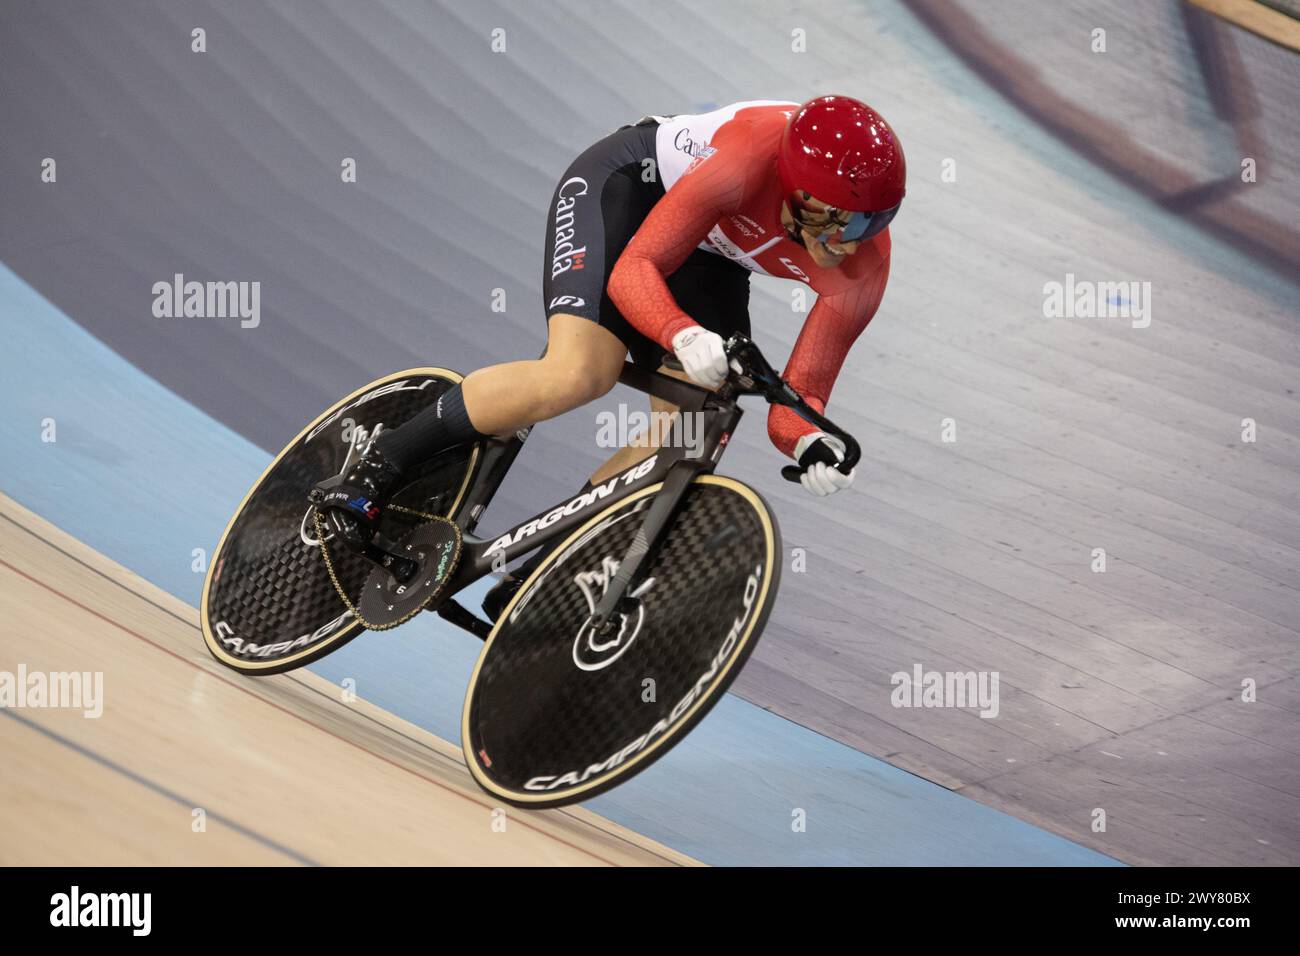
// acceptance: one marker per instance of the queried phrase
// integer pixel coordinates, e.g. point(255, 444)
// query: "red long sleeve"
point(832, 327)
point(714, 186)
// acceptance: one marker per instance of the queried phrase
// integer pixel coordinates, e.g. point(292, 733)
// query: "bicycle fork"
point(630, 580)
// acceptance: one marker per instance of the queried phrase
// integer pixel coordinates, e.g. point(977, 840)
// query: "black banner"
point(333, 905)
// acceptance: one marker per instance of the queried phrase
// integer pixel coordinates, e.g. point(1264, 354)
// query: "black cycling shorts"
point(599, 204)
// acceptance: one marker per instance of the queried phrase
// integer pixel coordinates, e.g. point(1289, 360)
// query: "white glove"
point(702, 356)
point(819, 477)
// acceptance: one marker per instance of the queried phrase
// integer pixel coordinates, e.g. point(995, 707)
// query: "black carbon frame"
point(753, 375)
point(722, 414)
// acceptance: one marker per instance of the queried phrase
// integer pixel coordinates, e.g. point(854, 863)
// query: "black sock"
point(442, 425)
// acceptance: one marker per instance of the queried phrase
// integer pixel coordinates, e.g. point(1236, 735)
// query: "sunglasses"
point(841, 225)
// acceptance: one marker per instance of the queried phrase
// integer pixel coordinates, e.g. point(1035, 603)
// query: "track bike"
point(652, 593)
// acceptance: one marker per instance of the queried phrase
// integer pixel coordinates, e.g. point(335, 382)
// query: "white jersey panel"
point(680, 139)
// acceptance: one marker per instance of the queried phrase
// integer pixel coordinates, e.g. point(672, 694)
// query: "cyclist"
point(652, 235)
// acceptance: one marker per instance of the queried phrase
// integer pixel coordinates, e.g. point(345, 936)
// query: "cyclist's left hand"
point(818, 454)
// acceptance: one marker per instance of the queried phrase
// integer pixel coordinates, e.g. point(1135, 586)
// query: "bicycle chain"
point(338, 588)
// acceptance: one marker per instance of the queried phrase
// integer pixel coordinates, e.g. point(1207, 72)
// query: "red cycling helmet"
point(844, 153)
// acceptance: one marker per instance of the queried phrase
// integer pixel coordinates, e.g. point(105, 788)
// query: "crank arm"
point(376, 551)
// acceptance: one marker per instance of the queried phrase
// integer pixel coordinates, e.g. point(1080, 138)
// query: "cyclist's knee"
point(580, 368)
point(570, 385)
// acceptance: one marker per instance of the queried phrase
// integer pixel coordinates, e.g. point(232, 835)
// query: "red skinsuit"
point(728, 200)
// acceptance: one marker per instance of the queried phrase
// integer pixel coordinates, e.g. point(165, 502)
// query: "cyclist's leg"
point(581, 363)
point(597, 206)
point(600, 202)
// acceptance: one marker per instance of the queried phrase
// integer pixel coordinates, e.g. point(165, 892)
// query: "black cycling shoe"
point(352, 503)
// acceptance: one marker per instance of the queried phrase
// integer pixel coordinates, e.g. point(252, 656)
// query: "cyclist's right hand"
point(702, 356)
point(818, 455)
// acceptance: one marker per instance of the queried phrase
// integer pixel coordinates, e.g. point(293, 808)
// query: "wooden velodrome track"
point(285, 771)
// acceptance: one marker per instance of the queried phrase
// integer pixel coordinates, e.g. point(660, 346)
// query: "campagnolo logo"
point(683, 706)
point(594, 650)
point(237, 645)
